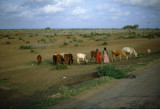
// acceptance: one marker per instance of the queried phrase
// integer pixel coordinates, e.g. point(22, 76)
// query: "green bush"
point(8, 43)
point(20, 38)
point(65, 43)
point(76, 45)
point(61, 66)
point(43, 40)
point(132, 35)
point(32, 51)
point(25, 47)
point(104, 43)
point(111, 71)
point(150, 36)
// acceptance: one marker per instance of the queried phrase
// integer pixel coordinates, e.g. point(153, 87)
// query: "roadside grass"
point(43, 100)
point(49, 63)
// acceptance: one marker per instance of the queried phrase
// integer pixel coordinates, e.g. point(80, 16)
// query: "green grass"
point(104, 43)
point(25, 47)
point(43, 99)
point(61, 67)
point(111, 71)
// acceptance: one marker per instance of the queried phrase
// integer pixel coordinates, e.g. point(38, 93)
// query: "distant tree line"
point(131, 27)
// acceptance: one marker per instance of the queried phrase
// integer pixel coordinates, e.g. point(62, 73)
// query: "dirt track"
point(141, 92)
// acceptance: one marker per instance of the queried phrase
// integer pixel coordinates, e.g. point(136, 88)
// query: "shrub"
point(32, 51)
point(64, 90)
point(27, 42)
point(132, 35)
point(25, 47)
point(8, 43)
point(150, 36)
point(65, 43)
point(6, 35)
point(76, 45)
point(20, 38)
point(47, 28)
point(104, 43)
point(111, 71)
point(43, 40)
point(61, 66)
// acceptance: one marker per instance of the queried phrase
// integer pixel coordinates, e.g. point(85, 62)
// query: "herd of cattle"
point(64, 58)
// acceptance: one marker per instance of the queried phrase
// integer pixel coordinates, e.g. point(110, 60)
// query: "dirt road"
point(141, 92)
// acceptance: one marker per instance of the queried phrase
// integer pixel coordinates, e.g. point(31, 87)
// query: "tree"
point(47, 28)
point(131, 27)
point(135, 26)
point(127, 27)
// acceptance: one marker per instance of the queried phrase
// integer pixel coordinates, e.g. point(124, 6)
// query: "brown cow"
point(118, 52)
point(93, 55)
point(39, 58)
point(68, 58)
point(57, 59)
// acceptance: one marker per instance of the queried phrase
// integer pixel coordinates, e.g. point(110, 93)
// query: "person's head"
point(97, 50)
point(105, 48)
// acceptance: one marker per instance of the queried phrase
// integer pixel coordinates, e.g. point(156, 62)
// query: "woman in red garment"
point(98, 56)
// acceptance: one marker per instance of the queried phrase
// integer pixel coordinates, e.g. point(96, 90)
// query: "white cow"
point(148, 51)
point(81, 56)
point(130, 51)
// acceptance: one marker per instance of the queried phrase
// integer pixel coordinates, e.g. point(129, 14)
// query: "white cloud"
point(37, 0)
point(52, 9)
point(152, 3)
point(70, 2)
point(116, 13)
point(78, 11)
point(12, 8)
point(102, 7)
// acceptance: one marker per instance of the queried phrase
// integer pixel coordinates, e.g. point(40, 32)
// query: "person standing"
point(105, 55)
point(98, 56)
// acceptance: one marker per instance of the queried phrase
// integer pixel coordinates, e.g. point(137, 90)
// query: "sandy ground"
point(140, 93)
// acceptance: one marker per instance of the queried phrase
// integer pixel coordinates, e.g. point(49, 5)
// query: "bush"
point(132, 35)
point(104, 43)
point(8, 43)
point(61, 66)
point(20, 38)
point(76, 45)
point(150, 36)
point(32, 51)
point(25, 47)
point(43, 40)
point(65, 43)
point(111, 71)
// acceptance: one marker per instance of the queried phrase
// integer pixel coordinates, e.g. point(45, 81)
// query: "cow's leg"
point(78, 61)
point(91, 59)
point(120, 58)
point(112, 58)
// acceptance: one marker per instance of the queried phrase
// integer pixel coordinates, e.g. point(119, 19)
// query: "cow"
point(39, 58)
point(93, 55)
point(81, 56)
point(68, 58)
point(118, 52)
point(130, 51)
point(57, 59)
point(148, 51)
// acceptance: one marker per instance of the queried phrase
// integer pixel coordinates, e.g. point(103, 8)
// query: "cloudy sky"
point(30, 14)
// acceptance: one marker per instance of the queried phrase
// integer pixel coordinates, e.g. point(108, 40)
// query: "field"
point(20, 76)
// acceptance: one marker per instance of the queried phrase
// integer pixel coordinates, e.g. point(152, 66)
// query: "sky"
point(39, 14)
